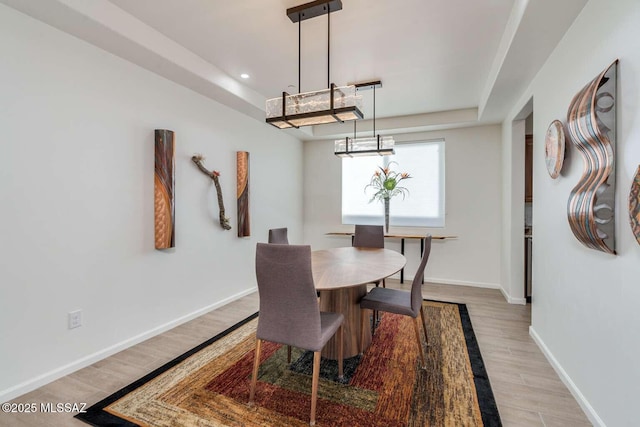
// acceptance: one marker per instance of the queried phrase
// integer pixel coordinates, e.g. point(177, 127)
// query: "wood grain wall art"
point(214, 175)
point(634, 205)
point(591, 122)
point(164, 203)
point(242, 159)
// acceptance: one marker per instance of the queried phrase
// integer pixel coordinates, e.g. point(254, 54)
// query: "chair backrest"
point(289, 311)
point(369, 236)
point(416, 286)
point(278, 235)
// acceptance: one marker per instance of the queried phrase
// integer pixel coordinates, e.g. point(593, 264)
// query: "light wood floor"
point(527, 390)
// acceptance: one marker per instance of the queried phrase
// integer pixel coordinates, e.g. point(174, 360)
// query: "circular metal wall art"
point(554, 148)
point(634, 206)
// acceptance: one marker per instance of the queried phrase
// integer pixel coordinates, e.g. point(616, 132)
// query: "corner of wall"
point(510, 299)
point(564, 377)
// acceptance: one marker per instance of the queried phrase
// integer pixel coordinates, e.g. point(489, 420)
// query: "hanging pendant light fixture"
point(334, 104)
point(367, 146)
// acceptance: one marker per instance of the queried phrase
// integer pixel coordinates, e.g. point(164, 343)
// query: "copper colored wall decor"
point(198, 159)
point(554, 148)
point(164, 203)
point(242, 158)
point(591, 122)
point(634, 205)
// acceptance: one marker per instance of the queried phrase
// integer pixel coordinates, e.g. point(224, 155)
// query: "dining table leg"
point(347, 302)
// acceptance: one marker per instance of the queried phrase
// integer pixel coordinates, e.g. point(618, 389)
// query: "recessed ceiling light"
point(244, 75)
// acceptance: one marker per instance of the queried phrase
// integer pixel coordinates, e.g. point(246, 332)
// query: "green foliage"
point(385, 183)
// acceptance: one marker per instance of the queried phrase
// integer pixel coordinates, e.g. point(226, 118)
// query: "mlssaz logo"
point(63, 407)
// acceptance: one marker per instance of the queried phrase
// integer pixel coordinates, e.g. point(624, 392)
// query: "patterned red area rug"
point(209, 385)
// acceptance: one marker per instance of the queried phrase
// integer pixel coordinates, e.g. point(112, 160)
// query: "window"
point(423, 207)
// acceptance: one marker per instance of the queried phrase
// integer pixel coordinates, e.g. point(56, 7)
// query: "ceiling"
point(442, 63)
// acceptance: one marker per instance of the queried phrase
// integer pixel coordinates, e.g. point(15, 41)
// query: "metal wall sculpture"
point(554, 148)
point(242, 158)
point(591, 123)
point(634, 205)
point(164, 203)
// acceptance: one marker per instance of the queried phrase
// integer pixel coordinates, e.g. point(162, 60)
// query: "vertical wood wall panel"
point(164, 183)
point(244, 228)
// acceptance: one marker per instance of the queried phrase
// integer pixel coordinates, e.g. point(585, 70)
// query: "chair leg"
point(374, 321)
point(289, 354)
point(416, 326)
point(424, 325)
point(340, 351)
point(384, 283)
point(363, 315)
point(314, 386)
point(254, 376)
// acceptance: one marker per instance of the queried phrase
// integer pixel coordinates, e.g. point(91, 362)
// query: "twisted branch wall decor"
point(164, 203)
point(591, 124)
point(242, 158)
point(197, 159)
point(634, 205)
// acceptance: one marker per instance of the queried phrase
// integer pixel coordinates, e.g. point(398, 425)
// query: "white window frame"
point(356, 208)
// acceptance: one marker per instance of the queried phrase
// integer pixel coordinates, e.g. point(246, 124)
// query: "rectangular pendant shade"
point(336, 104)
point(372, 146)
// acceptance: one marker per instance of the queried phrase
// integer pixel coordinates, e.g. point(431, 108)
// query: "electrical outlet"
point(75, 319)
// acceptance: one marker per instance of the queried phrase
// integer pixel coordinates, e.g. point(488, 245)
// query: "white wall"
point(585, 303)
point(512, 239)
point(473, 206)
point(76, 190)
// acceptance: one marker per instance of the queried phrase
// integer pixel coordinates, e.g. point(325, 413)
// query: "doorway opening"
point(528, 205)
point(521, 205)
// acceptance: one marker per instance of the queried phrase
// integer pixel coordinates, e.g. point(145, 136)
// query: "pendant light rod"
point(372, 84)
point(374, 112)
point(299, 55)
point(328, 43)
point(374, 118)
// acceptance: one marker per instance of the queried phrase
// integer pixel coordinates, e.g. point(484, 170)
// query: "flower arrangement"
point(385, 183)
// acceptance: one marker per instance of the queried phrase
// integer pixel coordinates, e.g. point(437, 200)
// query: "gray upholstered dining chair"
point(369, 236)
point(289, 311)
point(407, 303)
point(278, 235)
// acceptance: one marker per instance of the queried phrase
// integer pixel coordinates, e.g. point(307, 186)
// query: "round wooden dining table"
point(341, 275)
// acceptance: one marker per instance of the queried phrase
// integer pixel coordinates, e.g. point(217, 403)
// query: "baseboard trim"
point(509, 298)
point(39, 381)
point(512, 300)
point(564, 377)
point(460, 283)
